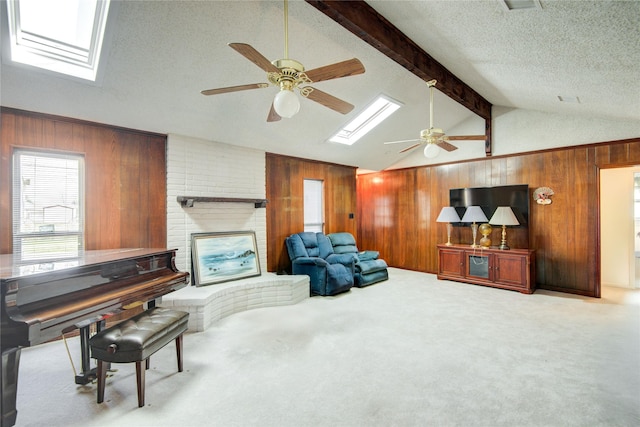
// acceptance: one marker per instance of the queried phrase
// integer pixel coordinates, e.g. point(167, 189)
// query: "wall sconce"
point(504, 216)
point(448, 214)
point(473, 215)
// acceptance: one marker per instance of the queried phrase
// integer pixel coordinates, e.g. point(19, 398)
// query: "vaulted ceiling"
point(160, 54)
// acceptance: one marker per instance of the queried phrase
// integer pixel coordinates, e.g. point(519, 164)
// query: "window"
point(313, 205)
point(371, 117)
point(64, 36)
point(48, 200)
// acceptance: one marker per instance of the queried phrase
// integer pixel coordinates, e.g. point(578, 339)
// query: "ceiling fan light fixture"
point(286, 103)
point(431, 151)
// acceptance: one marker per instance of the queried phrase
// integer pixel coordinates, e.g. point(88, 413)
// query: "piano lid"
point(12, 267)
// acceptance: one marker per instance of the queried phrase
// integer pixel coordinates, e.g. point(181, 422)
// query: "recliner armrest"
point(345, 259)
point(310, 261)
point(368, 255)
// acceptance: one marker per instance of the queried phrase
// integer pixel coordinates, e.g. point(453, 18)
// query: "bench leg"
point(102, 377)
point(179, 351)
point(140, 380)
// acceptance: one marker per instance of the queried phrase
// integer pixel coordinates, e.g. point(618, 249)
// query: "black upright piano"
point(43, 300)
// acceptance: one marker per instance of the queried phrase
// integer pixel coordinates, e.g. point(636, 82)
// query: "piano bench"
point(135, 340)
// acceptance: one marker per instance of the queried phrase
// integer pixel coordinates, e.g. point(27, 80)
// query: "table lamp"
point(504, 216)
point(448, 214)
point(474, 214)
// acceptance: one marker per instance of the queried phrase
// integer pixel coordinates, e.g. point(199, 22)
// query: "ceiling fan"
point(289, 74)
point(433, 138)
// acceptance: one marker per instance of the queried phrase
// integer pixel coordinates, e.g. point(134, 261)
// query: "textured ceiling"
point(161, 54)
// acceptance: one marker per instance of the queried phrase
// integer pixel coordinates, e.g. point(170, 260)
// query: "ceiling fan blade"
point(467, 138)
point(329, 101)
point(410, 148)
point(254, 56)
point(350, 67)
point(446, 146)
point(404, 140)
point(234, 88)
point(273, 116)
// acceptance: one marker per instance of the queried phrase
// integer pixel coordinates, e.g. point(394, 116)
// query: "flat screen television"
point(489, 198)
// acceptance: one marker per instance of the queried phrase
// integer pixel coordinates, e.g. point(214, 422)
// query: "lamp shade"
point(286, 103)
point(504, 216)
point(474, 214)
point(448, 214)
point(431, 151)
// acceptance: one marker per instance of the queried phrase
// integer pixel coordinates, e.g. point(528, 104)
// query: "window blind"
point(313, 205)
point(48, 205)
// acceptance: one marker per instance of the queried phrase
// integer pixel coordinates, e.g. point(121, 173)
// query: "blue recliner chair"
point(369, 269)
point(312, 254)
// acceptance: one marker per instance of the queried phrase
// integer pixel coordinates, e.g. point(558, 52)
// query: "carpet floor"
point(411, 351)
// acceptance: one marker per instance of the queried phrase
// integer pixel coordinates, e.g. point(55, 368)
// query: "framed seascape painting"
point(221, 257)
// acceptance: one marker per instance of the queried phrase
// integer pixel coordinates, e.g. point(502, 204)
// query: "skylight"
point(371, 117)
point(64, 36)
point(573, 99)
point(521, 4)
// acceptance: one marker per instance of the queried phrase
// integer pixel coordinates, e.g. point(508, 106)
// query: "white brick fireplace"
point(202, 168)
point(198, 168)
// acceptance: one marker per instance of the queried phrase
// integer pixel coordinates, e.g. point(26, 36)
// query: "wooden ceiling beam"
point(373, 28)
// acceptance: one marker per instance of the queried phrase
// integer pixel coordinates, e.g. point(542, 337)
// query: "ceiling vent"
point(520, 4)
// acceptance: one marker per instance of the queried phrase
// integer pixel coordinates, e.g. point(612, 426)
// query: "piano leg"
point(9, 382)
point(88, 374)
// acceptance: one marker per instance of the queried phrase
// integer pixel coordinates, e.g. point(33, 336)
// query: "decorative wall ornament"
point(542, 195)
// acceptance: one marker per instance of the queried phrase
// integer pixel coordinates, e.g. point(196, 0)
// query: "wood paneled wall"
point(397, 210)
point(285, 210)
point(125, 177)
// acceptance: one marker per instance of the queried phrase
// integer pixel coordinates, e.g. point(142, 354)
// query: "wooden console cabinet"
point(512, 269)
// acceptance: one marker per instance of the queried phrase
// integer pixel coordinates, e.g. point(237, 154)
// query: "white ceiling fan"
point(433, 137)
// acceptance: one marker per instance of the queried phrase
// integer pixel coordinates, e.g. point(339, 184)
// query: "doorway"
point(620, 227)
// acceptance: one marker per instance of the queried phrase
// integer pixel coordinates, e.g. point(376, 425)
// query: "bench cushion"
point(137, 338)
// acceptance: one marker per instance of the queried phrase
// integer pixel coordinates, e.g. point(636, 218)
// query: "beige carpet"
point(412, 351)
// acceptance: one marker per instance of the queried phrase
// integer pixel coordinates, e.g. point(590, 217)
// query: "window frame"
point(38, 50)
point(313, 226)
point(19, 236)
